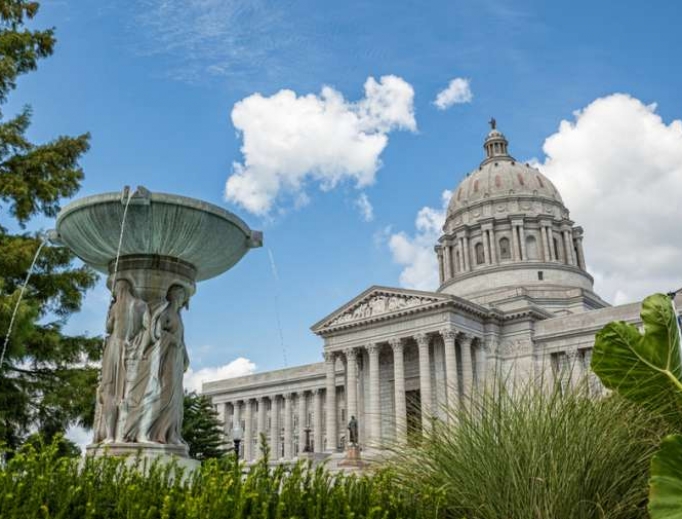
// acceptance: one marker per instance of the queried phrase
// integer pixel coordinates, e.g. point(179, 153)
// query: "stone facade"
point(515, 303)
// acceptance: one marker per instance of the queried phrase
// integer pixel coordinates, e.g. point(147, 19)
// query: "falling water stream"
point(279, 321)
point(120, 240)
point(21, 295)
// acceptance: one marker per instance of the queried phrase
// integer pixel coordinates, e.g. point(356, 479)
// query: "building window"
point(498, 181)
point(558, 253)
point(505, 251)
point(541, 275)
point(561, 371)
point(480, 254)
point(520, 177)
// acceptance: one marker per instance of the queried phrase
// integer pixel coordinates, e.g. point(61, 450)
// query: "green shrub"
point(536, 455)
point(41, 484)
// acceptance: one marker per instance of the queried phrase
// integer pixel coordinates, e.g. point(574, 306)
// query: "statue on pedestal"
point(353, 431)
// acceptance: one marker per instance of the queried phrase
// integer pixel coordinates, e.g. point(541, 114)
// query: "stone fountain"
point(154, 248)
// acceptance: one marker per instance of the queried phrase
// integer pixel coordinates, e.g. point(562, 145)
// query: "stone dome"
point(500, 176)
point(507, 230)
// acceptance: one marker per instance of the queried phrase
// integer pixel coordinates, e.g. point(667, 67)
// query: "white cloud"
point(237, 368)
point(458, 91)
point(618, 166)
point(290, 140)
point(416, 252)
point(365, 207)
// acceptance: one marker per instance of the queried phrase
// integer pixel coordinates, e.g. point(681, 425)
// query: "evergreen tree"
point(45, 383)
point(201, 428)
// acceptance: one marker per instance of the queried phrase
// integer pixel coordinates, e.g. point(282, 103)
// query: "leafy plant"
point(647, 368)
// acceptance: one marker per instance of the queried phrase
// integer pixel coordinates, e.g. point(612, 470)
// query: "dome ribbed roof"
point(500, 176)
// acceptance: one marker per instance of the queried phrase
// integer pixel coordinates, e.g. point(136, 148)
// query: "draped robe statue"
point(154, 395)
point(124, 326)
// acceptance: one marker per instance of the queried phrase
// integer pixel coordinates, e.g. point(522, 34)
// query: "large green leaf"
point(665, 485)
point(644, 368)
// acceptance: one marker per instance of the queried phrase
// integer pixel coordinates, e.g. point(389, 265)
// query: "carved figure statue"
point(124, 327)
point(155, 397)
point(353, 431)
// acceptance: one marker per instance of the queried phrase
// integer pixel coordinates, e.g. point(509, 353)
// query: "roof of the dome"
point(500, 175)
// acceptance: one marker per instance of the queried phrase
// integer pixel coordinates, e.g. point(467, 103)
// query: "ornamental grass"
point(536, 455)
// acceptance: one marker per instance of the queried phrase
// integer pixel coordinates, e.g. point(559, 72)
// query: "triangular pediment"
point(378, 302)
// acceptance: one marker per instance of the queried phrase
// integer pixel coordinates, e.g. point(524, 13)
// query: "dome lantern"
point(496, 144)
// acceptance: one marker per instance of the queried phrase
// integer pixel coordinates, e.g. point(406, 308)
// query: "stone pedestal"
point(352, 458)
point(143, 455)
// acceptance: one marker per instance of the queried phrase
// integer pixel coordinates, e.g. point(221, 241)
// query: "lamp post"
point(237, 439)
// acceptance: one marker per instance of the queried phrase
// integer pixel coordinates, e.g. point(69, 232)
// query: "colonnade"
point(455, 252)
point(459, 377)
point(457, 391)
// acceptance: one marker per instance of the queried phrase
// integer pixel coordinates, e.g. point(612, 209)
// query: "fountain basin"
point(203, 235)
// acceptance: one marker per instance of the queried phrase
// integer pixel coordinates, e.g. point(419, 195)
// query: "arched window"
point(519, 176)
point(480, 254)
point(505, 251)
point(531, 248)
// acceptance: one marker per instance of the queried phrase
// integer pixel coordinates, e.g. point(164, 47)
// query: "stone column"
point(480, 358)
point(317, 420)
point(261, 423)
point(568, 246)
point(351, 383)
point(330, 403)
point(447, 258)
point(493, 246)
point(302, 421)
point(288, 427)
point(516, 247)
point(424, 380)
point(545, 244)
point(441, 264)
point(274, 428)
point(466, 255)
point(374, 406)
point(248, 430)
point(399, 388)
point(581, 256)
point(467, 366)
point(451, 369)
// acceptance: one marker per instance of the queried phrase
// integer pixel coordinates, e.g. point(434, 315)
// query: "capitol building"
point(515, 301)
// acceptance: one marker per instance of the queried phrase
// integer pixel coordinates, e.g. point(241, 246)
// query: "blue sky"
point(156, 82)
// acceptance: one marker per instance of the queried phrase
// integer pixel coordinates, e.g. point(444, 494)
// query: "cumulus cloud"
point(416, 252)
point(618, 166)
point(365, 207)
point(289, 141)
point(458, 91)
point(237, 368)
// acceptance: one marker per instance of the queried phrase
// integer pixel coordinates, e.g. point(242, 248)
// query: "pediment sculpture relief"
point(380, 304)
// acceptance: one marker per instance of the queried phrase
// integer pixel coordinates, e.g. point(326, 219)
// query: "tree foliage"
point(201, 428)
point(45, 383)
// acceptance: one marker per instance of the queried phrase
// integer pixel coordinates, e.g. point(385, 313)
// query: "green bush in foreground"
point(536, 455)
point(42, 484)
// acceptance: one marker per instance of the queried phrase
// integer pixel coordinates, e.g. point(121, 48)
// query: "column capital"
point(329, 356)
point(422, 339)
point(466, 340)
point(288, 395)
point(448, 334)
point(316, 391)
point(260, 399)
point(351, 353)
point(272, 398)
point(396, 343)
point(373, 349)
